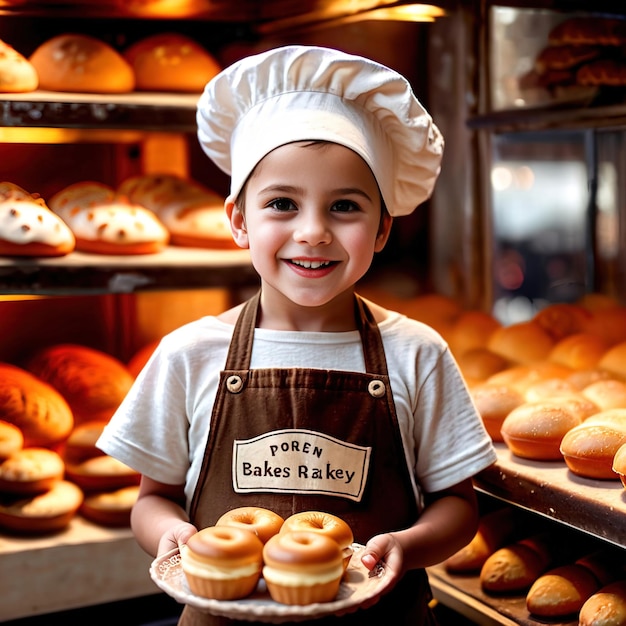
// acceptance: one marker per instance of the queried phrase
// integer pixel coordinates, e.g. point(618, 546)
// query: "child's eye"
point(344, 206)
point(281, 204)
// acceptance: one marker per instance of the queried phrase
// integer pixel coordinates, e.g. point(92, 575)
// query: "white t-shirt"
point(162, 426)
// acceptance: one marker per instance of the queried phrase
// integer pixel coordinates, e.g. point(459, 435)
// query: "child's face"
point(312, 221)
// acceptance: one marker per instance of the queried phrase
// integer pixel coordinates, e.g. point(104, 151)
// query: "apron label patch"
point(300, 461)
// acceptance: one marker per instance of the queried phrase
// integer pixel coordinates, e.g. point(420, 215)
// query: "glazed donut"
point(222, 562)
point(302, 567)
point(325, 524)
point(11, 439)
point(262, 522)
point(31, 470)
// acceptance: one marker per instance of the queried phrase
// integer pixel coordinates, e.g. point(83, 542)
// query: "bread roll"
point(589, 448)
point(614, 360)
point(565, 57)
point(471, 330)
point(606, 607)
point(434, 309)
point(583, 378)
point(549, 389)
point(495, 529)
point(11, 439)
point(35, 407)
point(80, 63)
point(521, 377)
point(523, 342)
point(81, 444)
point(562, 319)
point(589, 30)
point(619, 464)
point(171, 62)
point(193, 214)
point(104, 223)
point(101, 473)
point(494, 403)
point(110, 508)
point(30, 470)
point(608, 323)
point(580, 351)
point(606, 394)
point(478, 364)
point(17, 73)
point(29, 228)
point(561, 591)
point(534, 430)
point(92, 382)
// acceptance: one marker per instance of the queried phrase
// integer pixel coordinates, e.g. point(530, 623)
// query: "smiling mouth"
point(311, 265)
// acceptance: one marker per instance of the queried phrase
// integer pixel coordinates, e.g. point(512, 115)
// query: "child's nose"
point(312, 229)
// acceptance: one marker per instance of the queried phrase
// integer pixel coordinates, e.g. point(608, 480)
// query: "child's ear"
point(237, 222)
point(383, 232)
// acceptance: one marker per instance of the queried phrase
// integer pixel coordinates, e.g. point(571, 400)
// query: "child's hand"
point(176, 536)
point(384, 550)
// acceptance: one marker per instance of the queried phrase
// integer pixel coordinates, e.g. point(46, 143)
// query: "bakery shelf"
point(597, 507)
point(81, 566)
point(134, 111)
point(465, 595)
point(83, 273)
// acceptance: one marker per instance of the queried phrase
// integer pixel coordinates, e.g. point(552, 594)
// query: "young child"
point(307, 397)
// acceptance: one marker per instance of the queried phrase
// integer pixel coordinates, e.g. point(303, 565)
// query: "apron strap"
point(240, 351)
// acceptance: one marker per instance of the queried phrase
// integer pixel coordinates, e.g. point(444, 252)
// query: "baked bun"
point(583, 378)
point(46, 512)
point(478, 364)
point(589, 30)
point(92, 382)
point(171, 62)
point(561, 591)
point(17, 74)
point(222, 562)
point(433, 309)
point(614, 360)
point(523, 342)
point(609, 323)
point(580, 351)
point(11, 439)
point(29, 228)
point(104, 223)
point(35, 407)
point(550, 388)
point(302, 567)
point(81, 444)
point(110, 508)
point(562, 319)
point(101, 473)
point(606, 394)
point(521, 377)
point(30, 470)
point(324, 524)
point(619, 464)
point(495, 529)
point(193, 214)
point(262, 522)
point(589, 449)
point(494, 403)
point(606, 607)
point(80, 63)
point(534, 430)
point(471, 330)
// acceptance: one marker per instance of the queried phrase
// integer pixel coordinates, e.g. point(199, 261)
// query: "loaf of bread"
point(28, 228)
point(619, 464)
point(110, 508)
point(561, 592)
point(81, 63)
point(478, 364)
point(614, 361)
point(589, 30)
point(565, 57)
point(101, 473)
point(606, 607)
point(494, 403)
point(104, 223)
point(606, 394)
point(534, 430)
point(92, 382)
point(35, 407)
point(603, 72)
point(30, 470)
point(580, 351)
point(495, 529)
point(17, 73)
point(193, 214)
point(522, 342)
point(171, 62)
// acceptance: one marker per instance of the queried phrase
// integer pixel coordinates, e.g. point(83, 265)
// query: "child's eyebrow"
point(292, 189)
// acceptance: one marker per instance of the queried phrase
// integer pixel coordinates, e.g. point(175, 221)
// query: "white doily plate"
point(357, 586)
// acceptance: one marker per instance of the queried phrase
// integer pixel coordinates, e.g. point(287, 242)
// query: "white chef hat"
point(297, 93)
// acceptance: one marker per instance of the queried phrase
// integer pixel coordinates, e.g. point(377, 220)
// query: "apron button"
point(234, 384)
point(376, 388)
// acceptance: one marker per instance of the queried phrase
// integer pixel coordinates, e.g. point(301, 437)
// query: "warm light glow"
point(405, 13)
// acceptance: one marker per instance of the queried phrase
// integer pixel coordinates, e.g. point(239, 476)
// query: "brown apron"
point(299, 439)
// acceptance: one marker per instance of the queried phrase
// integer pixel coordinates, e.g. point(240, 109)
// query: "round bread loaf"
point(471, 330)
point(606, 394)
point(583, 378)
point(81, 444)
point(35, 407)
point(302, 567)
point(562, 319)
point(535, 430)
point(92, 382)
point(101, 473)
point(17, 74)
point(561, 591)
point(222, 562)
point(619, 464)
point(30, 470)
point(614, 360)
point(523, 342)
point(262, 522)
point(521, 377)
point(81, 63)
point(606, 607)
point(324, 524)
point(171, 62)
point(494, 403)
point(46, 512)
point(478, 364)
point(110, 508)
point(548, 389)
point(580, 351)
point(11, 439)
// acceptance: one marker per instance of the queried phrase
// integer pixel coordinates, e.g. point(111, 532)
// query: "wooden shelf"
point(597, 507)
